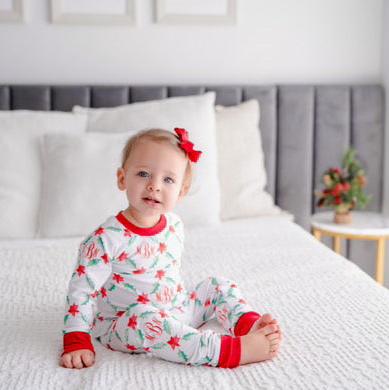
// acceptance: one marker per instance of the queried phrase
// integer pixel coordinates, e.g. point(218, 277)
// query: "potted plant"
point(344, 188)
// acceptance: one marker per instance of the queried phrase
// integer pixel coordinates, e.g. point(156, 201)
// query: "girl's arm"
point(92, 270)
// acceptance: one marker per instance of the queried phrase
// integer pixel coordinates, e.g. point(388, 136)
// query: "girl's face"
point(153, 178)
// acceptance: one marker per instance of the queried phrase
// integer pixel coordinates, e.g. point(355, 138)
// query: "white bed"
point(334, 317)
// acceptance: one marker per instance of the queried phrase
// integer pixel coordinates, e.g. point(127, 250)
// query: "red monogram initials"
point(91, 252)
point(146, 250)
point(165, 296)
point(154, 329)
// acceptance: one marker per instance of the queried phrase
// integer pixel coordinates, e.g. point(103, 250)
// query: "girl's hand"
point(78, 359)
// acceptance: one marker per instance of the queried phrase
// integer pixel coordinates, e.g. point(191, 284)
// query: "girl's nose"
point(153, 186)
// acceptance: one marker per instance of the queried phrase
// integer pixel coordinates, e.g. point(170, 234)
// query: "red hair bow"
point(186, 145)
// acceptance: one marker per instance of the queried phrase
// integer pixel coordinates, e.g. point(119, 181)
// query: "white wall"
point(277, 41)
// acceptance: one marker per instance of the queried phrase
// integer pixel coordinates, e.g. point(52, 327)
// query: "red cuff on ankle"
point(245, 323)
point(229, 352)
point(74, 341)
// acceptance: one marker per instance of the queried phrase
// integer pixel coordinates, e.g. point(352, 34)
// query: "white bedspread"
point(335, 318)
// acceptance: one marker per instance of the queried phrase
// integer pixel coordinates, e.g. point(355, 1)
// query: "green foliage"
point(344, 187)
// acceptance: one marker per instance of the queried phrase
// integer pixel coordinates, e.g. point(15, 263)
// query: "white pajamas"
point(126, 290)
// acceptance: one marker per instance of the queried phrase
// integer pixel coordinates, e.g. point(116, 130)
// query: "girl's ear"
point(184, 190)
point(121, 179)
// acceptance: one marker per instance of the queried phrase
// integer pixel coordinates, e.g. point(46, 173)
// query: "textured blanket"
point(334, 317)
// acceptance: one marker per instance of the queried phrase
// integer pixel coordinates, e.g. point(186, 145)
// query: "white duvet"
point(334, 317)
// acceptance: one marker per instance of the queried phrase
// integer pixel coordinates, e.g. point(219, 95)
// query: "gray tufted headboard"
point(305, 129)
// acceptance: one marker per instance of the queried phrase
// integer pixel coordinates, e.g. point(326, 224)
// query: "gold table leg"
point(336, 244)
point(380, 261)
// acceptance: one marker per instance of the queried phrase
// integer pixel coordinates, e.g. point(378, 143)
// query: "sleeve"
point(92, 269)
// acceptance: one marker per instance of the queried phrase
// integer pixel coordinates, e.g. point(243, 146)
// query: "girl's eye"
point(143, 174)
point(169, 180)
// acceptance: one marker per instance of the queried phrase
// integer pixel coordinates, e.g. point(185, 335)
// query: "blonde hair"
point(158, 136)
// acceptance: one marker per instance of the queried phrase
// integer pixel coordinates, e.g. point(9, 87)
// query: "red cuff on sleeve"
point(77, 340)
point(245, 323)
point(229, 352)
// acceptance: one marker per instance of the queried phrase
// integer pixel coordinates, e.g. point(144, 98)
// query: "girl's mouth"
point(151, 201)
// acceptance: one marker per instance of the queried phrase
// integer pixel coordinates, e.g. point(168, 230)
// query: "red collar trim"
point(161, 224)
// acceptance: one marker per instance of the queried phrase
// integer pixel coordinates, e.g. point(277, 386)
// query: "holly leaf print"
point(183, 356)
point(156, 288)
point(131, 306)
point(168, 254)
point(86, 300)
point(146, 313)
point(87, 240)
point(235, 307)
point(65, 320)
point(175, 299)
point(117, 335)
point(239, 314)
point(90, 282)
point(130, 287)
point(140, 334)
point(198, 302)
point(158, 346)
point(230, 293)
point(84, 319)
point(155, 262)
point(206, 360)
point(220, 301)
point(112, 288)
point(188, 336)
point(131, 241)
point(214, 281)
point(171, 280)
point(166, 327)
point(132, 262)
point(100, 240)
point(113, 229)
point(202, 344)
point(94, 262)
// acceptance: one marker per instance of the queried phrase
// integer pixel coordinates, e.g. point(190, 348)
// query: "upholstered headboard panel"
point(305, 128)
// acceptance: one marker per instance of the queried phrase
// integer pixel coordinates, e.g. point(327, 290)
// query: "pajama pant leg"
point(217, 297)
point(145, 328)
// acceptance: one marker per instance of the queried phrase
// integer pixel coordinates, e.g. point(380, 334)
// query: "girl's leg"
point(145, 328)
point(221, 298)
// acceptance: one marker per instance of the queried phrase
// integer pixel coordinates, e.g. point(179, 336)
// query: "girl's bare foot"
point(262, 344)
point(266, 319)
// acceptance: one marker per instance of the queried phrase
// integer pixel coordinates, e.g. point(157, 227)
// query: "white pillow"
point(241, 165)
point(20, 168)
point(194, 113)
point(79, 182)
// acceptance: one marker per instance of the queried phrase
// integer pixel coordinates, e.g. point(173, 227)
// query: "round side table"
point(364, 226)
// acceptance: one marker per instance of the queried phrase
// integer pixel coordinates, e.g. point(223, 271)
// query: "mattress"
point(334, 316)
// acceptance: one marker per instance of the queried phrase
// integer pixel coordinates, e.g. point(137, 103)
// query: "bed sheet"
point(334, 316)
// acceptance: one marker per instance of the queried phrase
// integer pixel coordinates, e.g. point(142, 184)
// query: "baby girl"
point(126, 290)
